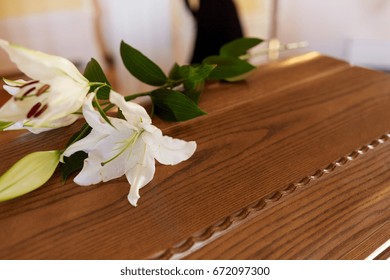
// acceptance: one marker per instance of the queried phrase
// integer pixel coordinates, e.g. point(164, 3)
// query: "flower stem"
point(102, 112)
point(134, 96)
point(127, 98)
point(82, 132)
point(100, 84)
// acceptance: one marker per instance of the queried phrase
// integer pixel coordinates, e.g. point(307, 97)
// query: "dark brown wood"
point(291, 164)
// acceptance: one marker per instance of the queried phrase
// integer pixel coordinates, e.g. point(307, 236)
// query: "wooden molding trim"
point(188, 245)
point(382, 253)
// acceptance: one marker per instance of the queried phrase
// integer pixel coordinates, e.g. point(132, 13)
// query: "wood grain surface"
point(291, 164)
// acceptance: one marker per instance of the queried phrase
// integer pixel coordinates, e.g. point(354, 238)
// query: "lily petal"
point(141, 174)
point(11, 90)
point(41, 66)
point(125, 161)
point(13, 87)
point(168, 150)
point(15, 83)
point(87, 144)
point(133, 112)
point(67, 120)
point(93, 117)
point(15, 111)
point(90, 174)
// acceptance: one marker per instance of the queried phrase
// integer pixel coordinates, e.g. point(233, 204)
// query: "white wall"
point(65, 32)
point(356, 30)
point(255, 17)
point(146, 25)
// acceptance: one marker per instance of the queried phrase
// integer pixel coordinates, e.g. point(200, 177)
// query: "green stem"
point(108, 108)
point(82, 132)
point(152, 111)
point(101, 111)
point(134, 96)
point(100, 84)
point(171, 84)
point(127, 98)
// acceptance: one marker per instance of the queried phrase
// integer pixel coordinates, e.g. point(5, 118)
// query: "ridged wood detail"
point(384, 255)
point(224, 224)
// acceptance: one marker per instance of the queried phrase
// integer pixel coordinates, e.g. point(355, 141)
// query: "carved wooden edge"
point(184, 246)
point(382, 253)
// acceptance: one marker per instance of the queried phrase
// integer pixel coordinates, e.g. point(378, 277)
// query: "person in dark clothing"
point(217, 23)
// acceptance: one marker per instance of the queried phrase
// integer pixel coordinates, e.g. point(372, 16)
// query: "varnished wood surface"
point(291, 164)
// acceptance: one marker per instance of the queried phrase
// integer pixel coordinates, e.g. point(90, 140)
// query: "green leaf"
point(195, 74)
point(193, 78)
point(94, 73)
point(4, 125)
point(141, 67)
point(174, 73)
point(28, 174)
point(239, 46)
point(72, 164)
point(227, 67)
point(194, 93)
point(172, 105)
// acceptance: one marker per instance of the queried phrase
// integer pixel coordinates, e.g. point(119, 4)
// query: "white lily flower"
point(127, 147)
point(56, 91)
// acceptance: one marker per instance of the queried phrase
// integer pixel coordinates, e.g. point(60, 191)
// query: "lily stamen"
point(43, 89)
point(43, 109)
point(29, 83)
point(27, 92)
point(34, 110)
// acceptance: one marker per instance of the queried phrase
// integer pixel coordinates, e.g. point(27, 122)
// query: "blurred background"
point(165, 30)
